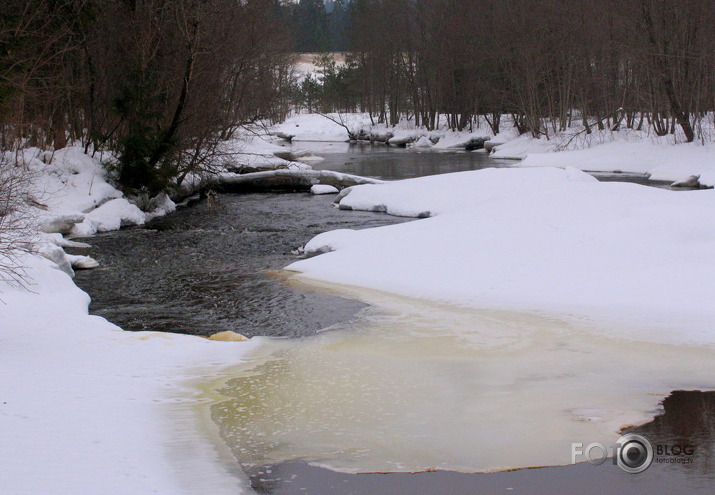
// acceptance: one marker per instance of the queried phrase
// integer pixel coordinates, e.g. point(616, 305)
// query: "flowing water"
point(376, 383)
point(203, 269)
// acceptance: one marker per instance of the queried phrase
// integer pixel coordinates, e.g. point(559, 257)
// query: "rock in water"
point(82, 262)
point(323, 189)
point(692, 181)
point(228, 336)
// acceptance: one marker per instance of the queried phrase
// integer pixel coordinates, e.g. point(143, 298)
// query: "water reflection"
point(390, 163)
point(688, 420)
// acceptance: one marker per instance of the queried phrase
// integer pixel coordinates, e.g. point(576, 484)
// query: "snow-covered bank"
point(655, 158)
point(544, 240)
point(627, 150)
point(88, 408)
point(72, 195)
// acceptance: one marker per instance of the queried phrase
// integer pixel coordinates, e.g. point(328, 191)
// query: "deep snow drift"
point(541, 240)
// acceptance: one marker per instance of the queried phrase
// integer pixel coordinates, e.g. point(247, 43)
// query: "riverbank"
point(88, 408)
point(662, 158)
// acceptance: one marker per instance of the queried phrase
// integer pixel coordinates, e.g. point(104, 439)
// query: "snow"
point(160, 206)
point(544, 239)
point(628, 150)
point(308, 65)
point(112, 215)
point(324, 189)
point(459, 140)
point(316, 127)
point(250, 151)
point(520, 146)
point(423, 142)
point(659, 161)
point(70, 181)
point(73, 195)
point(88, 408)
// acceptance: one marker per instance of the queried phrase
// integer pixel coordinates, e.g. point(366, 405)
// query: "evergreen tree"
point(339, 25)
point(311, 25)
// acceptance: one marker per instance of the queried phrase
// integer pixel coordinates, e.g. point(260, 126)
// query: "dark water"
point(203, 270)
point(688, 420)
point(390, 163)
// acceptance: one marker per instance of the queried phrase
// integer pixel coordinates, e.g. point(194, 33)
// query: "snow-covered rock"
point(60, 224)
point(423, 142)
point(403, 138)
point(228, 336)
point(160, 206)
point(112, 215)
point(324, 189)
point(82, 262)
point(462, 140)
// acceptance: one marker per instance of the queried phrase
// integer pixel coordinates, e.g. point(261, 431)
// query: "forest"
point(161, 83)
point(608, 63)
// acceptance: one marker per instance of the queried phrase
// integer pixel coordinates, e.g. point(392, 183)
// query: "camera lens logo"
point(635, 454)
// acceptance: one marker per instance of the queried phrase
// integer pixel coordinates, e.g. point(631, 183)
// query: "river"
point(395, 385)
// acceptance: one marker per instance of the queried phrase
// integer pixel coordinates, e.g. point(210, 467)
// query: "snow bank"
point(315, 127)
point(334, 128)
point(659, 161)
point(250, 152)
point(73, 195)
point(69, 181)
point(85, 406)
point(519, 147)
point(626, 151)
point(88, 408)
point(545, 240)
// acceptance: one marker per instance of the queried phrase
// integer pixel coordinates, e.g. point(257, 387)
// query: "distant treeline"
point(319, 26)
point(608, 63)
